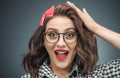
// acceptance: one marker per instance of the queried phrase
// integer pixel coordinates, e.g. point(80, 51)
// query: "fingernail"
point(68, 1)
point(84, 9)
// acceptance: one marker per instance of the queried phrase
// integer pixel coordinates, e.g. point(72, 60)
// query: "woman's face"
point(61, 50)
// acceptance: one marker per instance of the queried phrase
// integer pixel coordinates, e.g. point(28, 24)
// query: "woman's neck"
point(61, 72)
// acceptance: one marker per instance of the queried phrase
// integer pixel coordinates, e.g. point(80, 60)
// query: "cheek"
point(49, 47)
point(73, 47)
point(73, 50)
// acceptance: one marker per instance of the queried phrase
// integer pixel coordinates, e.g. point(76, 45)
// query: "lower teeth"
point(61, 55)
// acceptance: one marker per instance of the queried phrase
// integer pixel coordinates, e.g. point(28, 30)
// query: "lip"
point(62, 50)
point(61, 54)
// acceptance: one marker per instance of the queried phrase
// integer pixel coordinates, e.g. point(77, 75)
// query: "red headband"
point(47, 13)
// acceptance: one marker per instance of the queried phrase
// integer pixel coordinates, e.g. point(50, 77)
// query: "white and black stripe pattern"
point(44, 71)
point(108, 70)
point(26, 76)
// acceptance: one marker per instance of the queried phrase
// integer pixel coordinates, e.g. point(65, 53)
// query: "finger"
point(84, 10)
point(73, 6)
point(70, 4)
point(79, 12)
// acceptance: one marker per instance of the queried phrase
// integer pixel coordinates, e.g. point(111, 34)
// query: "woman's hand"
point(86, 18)
point(108, 35)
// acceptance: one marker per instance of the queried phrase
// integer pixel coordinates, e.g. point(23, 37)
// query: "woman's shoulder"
point(113, 63)
point(109, 69)
point(43, 70)
point(108, 66)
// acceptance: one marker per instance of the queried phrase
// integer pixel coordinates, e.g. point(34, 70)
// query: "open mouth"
point(61, 54)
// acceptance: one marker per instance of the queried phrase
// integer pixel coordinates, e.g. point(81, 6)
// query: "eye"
point(70, 35)
point(52, 35)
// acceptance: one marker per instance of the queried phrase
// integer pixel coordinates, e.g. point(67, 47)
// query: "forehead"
point(60, 23)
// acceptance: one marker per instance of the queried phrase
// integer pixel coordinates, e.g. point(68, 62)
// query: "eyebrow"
point(70, 29)
point(53, 29)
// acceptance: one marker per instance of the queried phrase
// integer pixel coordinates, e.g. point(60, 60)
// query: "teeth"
point(61, 52)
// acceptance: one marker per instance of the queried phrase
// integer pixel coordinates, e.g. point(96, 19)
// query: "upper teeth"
point(61, 52)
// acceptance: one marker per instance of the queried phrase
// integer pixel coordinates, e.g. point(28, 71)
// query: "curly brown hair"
point(86, 46)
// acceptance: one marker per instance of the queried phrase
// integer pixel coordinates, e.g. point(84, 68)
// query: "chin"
point(63, 65)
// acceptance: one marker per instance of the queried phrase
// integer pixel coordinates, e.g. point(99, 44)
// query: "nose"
point(61, 43)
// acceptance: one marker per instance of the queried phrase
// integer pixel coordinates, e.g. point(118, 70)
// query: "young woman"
point(64, 46)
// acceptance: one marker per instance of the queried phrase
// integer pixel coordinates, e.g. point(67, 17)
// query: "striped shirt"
point(108, 70)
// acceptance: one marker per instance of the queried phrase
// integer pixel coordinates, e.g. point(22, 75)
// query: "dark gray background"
point(20, 18)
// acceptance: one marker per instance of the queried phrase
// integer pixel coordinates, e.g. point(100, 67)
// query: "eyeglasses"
point(53, 37)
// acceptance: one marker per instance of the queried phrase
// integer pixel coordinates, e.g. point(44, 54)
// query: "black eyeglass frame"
point(77, 34)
